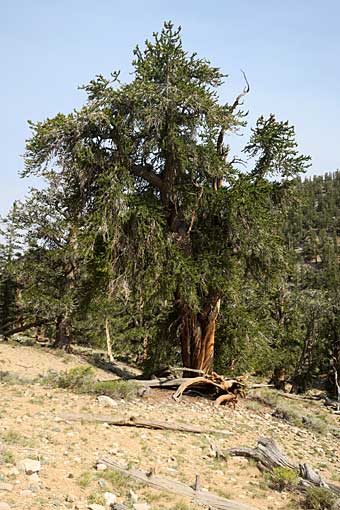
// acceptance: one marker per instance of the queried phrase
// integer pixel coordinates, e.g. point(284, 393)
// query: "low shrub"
point(82, 380)
point(116, 389)
point(319, 498)
point(282, 478)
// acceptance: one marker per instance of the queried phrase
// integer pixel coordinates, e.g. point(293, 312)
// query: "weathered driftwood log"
point(179, 488)
point(170, 371)
point(133, 422)
point(218, 384)
point(268, 456)
point(162, 382)
point(229, 398)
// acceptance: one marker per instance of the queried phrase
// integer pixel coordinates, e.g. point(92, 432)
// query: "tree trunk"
point(197, 335)
point(108, 341)
point(62, 335)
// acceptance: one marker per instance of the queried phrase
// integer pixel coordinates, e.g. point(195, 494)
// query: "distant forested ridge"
point(149, 239)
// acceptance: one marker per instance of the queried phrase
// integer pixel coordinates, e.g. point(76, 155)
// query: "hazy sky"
point(289, 50)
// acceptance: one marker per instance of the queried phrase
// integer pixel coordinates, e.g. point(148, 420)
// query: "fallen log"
point(178, 488)
point(163, 382)
point(133, 422)
point(229, 398)
point(219, 385)
point(268, 456)
point(170, 371)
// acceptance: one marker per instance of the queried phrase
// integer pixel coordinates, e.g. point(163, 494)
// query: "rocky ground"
point(46, 462)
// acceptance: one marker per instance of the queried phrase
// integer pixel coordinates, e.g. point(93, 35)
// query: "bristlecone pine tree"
point(166, 212)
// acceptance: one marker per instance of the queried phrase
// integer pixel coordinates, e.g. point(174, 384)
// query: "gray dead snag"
point(132, 422)
point(268, 456)
point(162, 382)
point(337, 385)
point(179, 488)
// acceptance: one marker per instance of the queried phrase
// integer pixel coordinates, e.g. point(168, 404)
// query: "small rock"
point(336, 505)
point(107, 401)
point(110, 499)
point(13, 471)
point(144, 391)
point(34, 478)
point(8, 487)
point(4, 506)
point(94, 506)
point(26, 493)
point(101, 467)
point(133, 496)
point(141, 506)
point(103, 484)
point(30, 466)
point(69, 498)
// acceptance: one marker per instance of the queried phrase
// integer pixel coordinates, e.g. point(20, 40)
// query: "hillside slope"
point(69, 451)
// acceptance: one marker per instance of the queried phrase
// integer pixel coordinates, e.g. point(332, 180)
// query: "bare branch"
point(193, 216)
point(244, 92)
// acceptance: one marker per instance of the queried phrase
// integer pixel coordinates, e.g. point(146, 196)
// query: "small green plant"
point(116, 389)
point(7, 457)
point(82, 380)
point(85, 479)
point(96, 498)
point(318, 498)
point(181, 505)
point(79, 378)
point(12, 437)
point(283, 478)
point(117, 480)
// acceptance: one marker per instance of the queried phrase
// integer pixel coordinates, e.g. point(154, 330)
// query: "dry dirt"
point(30, 427)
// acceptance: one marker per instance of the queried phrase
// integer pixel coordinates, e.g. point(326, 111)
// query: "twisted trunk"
point(197, 335)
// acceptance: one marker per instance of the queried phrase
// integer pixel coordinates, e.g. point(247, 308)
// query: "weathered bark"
point(62, 336)
point(212, 384)
point(165, 484)
point(268, 456)
point(108, 341)
point(197, 334)
point(140, 423)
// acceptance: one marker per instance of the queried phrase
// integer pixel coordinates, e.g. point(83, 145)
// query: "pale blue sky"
point(289, 49)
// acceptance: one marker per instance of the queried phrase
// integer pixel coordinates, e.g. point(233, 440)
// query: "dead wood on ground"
point(179, 488)
point(209, 385)
point(214, 384)
point(268, 456)
point(147, 424)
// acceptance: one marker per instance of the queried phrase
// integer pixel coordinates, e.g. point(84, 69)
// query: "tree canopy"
point(146, 223)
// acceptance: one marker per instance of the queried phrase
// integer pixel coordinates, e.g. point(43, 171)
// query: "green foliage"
point(319, 498)
point(281, 478)
point(7, 457)
point(85, 479)
point(145, 222)
point(96, 498)
point(116, 389)
point(78, 378)
point(82, 380)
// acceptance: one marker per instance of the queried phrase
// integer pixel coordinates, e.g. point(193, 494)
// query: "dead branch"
point(230, 398)
point(194, 212)
point(268, 456)
point(179, 488)
point(219, 384)
point(244, 92)
point(257, 386)
point(133, 422)
point(337, 387)
point(162, 382)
